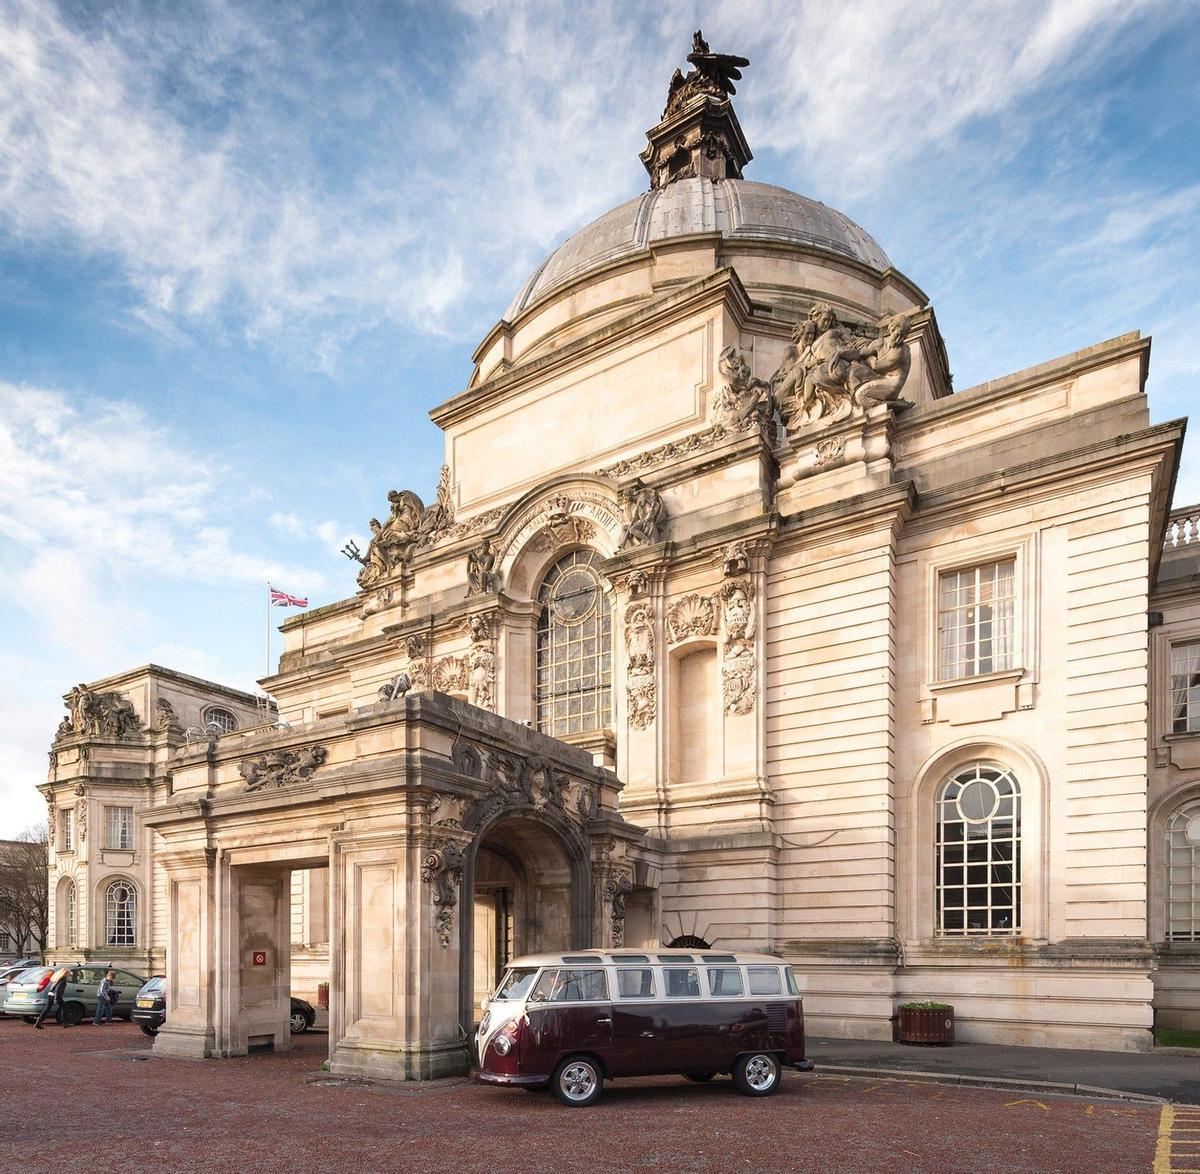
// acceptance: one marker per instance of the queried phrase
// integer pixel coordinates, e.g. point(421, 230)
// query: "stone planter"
point(926, 1023)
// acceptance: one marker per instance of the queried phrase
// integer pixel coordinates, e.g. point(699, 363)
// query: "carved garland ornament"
point(739, 661)
point(617, 891)
point(640, 689)
point(481, 663)
point(280, 768)
point(442, 869)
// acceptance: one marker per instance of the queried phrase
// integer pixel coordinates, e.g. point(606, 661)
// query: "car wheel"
point(29, 1018)
point(72, 1014)
point(757, 1075)
point(699, 1077)
point(577, 1082)
point(150, 1029)
point(299, 1022)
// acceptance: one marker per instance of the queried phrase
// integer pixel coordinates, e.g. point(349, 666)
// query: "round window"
point(575, 595)
point(1191, 830)
point(977, 801)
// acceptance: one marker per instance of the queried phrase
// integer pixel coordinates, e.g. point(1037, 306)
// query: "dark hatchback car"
point(150, 1009)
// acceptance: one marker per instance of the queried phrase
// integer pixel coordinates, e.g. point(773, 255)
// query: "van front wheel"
point(757, 1075)
point(577, 1082)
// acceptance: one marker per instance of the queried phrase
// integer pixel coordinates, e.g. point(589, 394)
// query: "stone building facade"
point(729, 623)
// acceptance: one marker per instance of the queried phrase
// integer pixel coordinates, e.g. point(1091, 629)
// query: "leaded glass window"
point(1183, 874)
point(1185, 688)
point(979, 852)
point(219, 721)
point(118, 828)
point(68, 894)
point(975, 620)
point(574, 648)
point(120, 914)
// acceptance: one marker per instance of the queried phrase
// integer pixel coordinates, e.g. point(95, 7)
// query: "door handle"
point(604, 1019)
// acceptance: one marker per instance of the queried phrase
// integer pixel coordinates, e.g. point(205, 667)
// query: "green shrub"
point(928, 1005)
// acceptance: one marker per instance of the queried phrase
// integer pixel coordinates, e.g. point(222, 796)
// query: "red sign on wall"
point(260, 958)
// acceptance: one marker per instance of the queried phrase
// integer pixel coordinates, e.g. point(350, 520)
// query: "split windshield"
point(517, 983)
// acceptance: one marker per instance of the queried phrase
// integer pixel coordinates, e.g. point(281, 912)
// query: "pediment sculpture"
point(832, 370)
point(99, 715)
point(279, 768)
point(410, 525)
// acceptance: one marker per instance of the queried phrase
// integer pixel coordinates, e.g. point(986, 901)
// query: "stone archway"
point(528, 888)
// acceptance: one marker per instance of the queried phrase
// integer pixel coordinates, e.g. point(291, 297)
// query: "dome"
point(739, 209)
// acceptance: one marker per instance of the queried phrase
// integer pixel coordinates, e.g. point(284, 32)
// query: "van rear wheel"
point(757, 1074)
point(577, 1082)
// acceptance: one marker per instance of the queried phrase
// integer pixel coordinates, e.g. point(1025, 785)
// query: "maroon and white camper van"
point(571, 1021)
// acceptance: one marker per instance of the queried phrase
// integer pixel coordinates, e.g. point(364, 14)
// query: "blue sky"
point(244, 249)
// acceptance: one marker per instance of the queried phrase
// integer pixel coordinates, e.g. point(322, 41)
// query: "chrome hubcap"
point(760, 1073)
point(578, 1081)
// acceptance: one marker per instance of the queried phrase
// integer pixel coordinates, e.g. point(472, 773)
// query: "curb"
point(1001, 1082)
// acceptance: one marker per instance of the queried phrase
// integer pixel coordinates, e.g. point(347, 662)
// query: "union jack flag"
point(283, 599)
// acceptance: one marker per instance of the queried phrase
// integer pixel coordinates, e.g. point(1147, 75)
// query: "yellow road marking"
point(1162, 1150)
point(1027, 1101)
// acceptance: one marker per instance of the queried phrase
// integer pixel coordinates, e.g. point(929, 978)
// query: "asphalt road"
point(95, 1099)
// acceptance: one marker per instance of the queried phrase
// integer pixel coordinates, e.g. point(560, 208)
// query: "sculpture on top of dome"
point(714, 74)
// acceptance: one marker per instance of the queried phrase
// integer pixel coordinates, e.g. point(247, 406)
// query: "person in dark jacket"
point(55, 999)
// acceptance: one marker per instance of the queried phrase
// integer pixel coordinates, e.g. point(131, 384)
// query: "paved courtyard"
point(94, 1098)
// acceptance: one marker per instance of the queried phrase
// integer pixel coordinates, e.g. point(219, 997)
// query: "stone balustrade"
point(1183, 528)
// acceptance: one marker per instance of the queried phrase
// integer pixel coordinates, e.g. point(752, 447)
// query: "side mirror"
point(483, 1003)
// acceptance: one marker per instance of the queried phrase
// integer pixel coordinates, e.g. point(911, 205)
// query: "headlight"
point(503, 1045)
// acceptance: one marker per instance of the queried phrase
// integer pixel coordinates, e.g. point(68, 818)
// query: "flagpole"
point(267, 672)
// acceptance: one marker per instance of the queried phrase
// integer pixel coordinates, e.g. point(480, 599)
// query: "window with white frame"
point(1183, 874)
point(1185, 688)
point(69, 909)
point(120, 914)
point(118, 828)
point(975, 620)
point(219, 721)
point(574, 648)
point(978, 849)
point(67, 823)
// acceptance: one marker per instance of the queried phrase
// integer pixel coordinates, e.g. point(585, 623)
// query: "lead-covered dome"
point(738, 209)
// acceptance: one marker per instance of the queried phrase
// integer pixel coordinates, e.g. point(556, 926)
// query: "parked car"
point(26, 995)
point(150, 1005)
point(303, 1016)
point(571, 1021)
point(6, 976)
point(150, 1009)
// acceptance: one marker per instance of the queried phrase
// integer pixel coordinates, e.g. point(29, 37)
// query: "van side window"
point(682, 982)
point(793, 988)
point(571, 986)
point(764, 980)
point(635, 984)
point(725, 980)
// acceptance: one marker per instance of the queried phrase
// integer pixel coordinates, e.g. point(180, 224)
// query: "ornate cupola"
point(698, 135)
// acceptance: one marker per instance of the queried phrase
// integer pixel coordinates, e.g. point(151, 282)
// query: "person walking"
point(55, 998)
point(104, 1000)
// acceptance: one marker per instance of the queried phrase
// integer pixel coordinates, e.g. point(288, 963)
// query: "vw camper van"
point(571, 1021)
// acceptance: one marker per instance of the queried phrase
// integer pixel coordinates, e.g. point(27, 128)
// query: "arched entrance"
point(531, 890)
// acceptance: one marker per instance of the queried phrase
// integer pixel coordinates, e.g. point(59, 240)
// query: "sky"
point(245, 248)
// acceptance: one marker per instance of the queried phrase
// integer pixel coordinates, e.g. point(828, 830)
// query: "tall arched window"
point(120, 914)
point(67, 913)
point(219, 721)
point(979, 852)
point(1183, 874)
point(574, 648)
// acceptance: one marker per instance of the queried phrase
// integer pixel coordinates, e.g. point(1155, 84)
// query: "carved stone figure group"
point(829, 370)
point(644, 517)
point(410, 525)
point(102, 715)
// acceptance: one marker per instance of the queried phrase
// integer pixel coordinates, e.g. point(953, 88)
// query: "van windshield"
point(517, 983)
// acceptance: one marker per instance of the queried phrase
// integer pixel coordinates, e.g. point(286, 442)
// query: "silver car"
point(27, 994)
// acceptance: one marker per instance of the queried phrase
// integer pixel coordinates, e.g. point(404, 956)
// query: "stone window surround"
point(965, 553)
point(66, 933)
point(1162, 640)
point(1156, 833)
point(109, 846)
point(918, 840)
point(98, 921)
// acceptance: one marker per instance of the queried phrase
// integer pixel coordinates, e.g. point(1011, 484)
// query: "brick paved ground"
point(93, 1099)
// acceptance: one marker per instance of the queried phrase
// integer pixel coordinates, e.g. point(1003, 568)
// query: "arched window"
point(1183, 874)
point(67, 913)
point(574, 648)
point(979, 852)
point(219, 721)
point(120, 914)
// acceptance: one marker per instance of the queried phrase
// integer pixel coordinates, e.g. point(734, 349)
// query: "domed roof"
point(738, 209)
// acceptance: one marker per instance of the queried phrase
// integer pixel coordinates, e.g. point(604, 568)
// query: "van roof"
point(710, 954)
